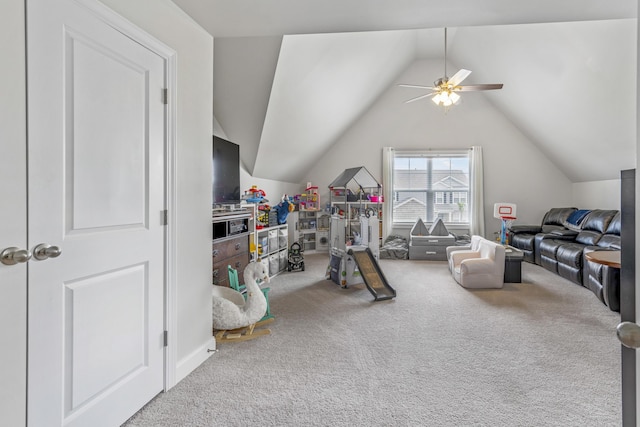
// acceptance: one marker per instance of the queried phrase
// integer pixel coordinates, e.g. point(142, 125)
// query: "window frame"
point(448, 196)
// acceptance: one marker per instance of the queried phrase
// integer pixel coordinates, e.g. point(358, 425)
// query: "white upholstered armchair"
point(480, 268)
point(473, 245)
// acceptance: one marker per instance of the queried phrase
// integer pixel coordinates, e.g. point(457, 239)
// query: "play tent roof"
point(355, 179)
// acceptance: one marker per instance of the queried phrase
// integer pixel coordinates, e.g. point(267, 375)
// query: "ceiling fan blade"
point(416, 86)
point(459, 77)
point(418, 98)
point(472, 88)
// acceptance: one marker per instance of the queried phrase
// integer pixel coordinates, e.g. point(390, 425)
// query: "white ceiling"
point(292, 75)
point(241, 18)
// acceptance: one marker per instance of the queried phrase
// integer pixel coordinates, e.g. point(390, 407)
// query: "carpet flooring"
point(539, 353)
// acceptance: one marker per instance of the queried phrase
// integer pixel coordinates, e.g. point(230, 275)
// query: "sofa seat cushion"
point(564, 233)
point(609, 241)
point(588, 237)
point(549, 247)
point(570, 254)
point(611, 237)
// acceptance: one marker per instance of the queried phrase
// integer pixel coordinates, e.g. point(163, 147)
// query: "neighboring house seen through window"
point(431, 186)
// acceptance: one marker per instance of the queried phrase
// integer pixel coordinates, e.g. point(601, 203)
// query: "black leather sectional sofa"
point(560, 243)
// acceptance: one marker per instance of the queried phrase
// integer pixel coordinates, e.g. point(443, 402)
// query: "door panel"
point(94, 371)
point(103, 192)
point(96, 190)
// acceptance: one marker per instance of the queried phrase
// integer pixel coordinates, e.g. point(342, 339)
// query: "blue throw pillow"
point(576, 217)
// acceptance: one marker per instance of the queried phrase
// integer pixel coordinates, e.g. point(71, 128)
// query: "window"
point(431, 186)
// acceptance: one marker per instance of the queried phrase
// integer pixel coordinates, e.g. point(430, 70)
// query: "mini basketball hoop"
point(507, 221)
point(507, 213)
point(504, 209)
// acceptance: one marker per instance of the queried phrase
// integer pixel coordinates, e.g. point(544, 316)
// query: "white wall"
point(273, 189)
point(515, 170)
point(194, 47)
point(597, 194)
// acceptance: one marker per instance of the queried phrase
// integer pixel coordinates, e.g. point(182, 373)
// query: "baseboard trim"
point(186, 365)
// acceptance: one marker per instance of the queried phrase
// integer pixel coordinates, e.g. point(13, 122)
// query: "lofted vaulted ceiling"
point(291, 76)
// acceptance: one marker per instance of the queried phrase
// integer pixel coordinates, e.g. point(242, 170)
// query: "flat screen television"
point(226, 172)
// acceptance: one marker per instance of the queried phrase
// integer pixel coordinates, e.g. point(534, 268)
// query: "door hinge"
point(165, 96)
point(164, 217)
point(166, 338)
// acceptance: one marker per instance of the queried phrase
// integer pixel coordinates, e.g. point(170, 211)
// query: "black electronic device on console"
point(226, 172)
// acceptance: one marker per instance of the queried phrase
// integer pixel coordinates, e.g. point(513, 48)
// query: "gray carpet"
point(538, 353)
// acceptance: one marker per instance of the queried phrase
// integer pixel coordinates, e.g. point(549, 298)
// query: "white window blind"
point(431, 185)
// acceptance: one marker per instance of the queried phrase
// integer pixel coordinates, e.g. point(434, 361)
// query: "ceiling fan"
point(444, 89)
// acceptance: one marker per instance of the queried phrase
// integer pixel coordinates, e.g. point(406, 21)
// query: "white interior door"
point(95, 191)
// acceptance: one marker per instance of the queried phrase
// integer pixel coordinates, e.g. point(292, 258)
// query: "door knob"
point(629, 334)
point(13, 255)
point(44, 251)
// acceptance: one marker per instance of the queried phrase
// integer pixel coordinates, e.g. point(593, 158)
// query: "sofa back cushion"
point(594, 226)
point(615, 226)
point(574, 221)
point(611, 237)
point(556, 218)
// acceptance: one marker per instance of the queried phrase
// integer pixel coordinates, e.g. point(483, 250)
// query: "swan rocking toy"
point(234, 319)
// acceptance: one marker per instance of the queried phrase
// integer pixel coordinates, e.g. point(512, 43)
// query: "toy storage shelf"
point(253, 237)
point(272, 247)
point(309, 228)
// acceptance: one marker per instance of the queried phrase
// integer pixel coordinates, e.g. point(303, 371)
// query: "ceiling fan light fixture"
point(444, 89)
point(446, 98)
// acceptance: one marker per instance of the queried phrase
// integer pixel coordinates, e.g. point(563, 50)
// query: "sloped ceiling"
point(322, 84)
point(291, 76)
point(570, 88)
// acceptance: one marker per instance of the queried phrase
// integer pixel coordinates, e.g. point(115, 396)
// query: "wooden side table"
point(609, 258)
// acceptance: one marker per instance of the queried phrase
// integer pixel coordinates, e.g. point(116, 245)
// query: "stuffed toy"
point(283, 208)
point(231, 311)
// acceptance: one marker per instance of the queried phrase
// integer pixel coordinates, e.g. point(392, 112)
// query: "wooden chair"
point(234, 283)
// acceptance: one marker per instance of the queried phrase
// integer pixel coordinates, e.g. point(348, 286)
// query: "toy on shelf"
point(255, 195)
point(507, 214)
point(263, 218)
point(311, 199)
point(283, 208)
